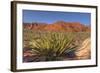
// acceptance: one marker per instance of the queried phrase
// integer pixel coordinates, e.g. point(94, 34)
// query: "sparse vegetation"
point(52, 46)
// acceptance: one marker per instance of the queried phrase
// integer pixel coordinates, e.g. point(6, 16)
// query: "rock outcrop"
point(84, 52)
point(58, 26)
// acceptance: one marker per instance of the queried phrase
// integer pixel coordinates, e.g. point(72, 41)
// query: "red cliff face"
point(58, 26)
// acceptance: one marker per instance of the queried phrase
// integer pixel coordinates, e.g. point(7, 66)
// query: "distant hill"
point(58, 26)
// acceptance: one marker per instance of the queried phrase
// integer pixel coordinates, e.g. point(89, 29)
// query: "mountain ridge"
point(58, 26)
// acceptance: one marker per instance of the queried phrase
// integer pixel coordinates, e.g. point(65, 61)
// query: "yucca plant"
point(53, 46)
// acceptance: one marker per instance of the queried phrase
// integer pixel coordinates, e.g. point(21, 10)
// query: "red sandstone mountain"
point(58, 26)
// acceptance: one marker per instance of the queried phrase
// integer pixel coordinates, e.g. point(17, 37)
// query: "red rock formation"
point(58, 26)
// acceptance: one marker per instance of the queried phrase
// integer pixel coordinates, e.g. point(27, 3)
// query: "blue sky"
point(30, 16)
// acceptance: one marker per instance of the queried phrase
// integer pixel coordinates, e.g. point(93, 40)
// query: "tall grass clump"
point(53, 46)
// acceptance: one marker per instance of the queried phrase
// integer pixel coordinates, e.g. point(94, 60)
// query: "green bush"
point(52, 45)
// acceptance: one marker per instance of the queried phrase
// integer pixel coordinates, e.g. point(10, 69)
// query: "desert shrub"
point(52, 45)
